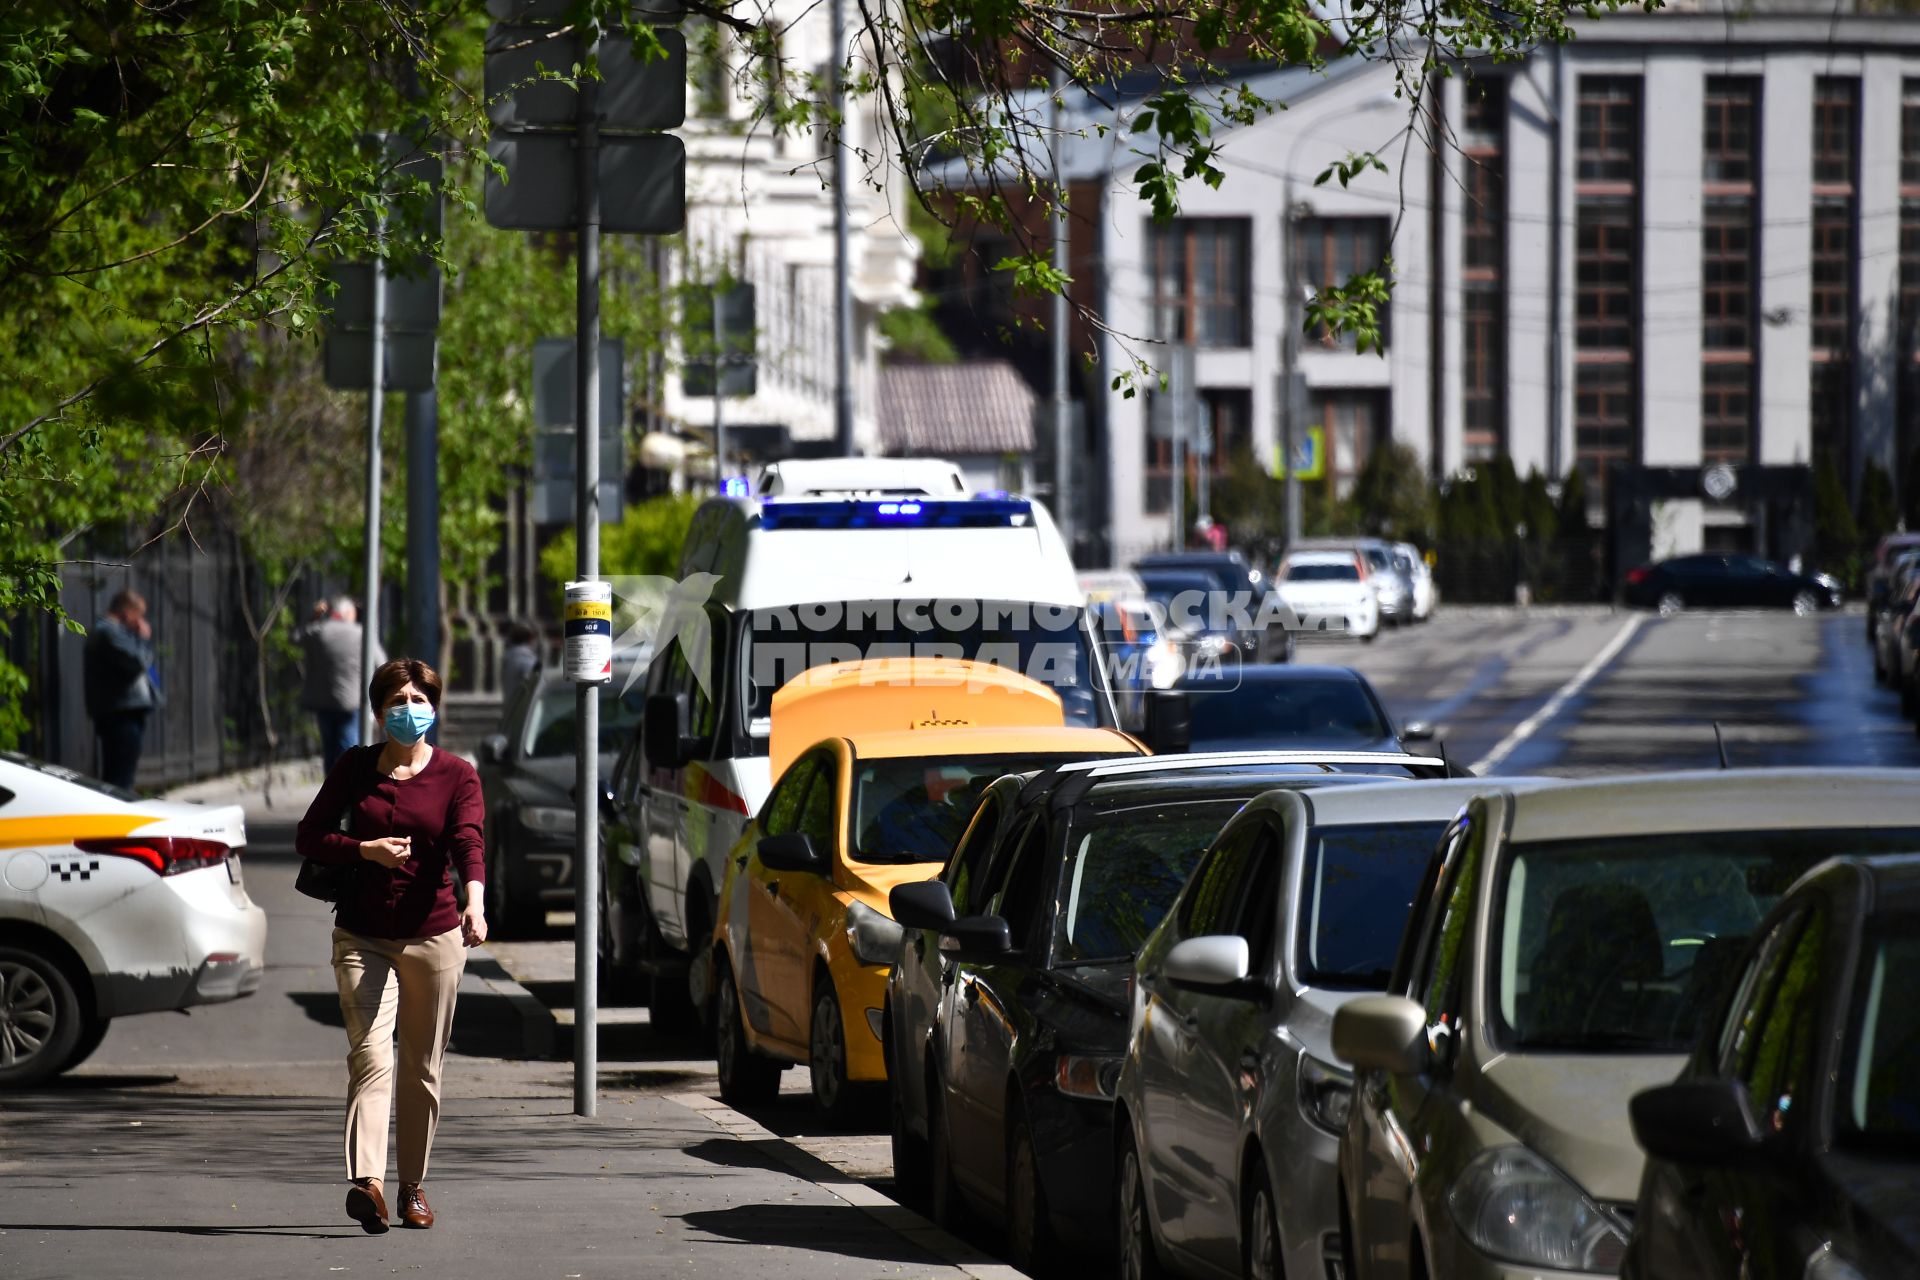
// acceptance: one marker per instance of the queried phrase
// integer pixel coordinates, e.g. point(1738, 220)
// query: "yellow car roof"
point(896, 695)
point(1073, 741)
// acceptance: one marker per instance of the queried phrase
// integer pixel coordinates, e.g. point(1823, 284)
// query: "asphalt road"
point(190, 1143)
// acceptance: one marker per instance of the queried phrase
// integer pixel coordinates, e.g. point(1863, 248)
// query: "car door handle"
point(971, 990)
point(773, 888)
point(740, 861)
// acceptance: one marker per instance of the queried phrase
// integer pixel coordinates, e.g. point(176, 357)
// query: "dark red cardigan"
point(440, 807)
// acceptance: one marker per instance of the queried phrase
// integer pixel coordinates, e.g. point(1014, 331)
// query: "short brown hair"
point(392, 676)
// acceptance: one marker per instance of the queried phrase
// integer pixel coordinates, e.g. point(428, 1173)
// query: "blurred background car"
point(1243, 594)
point(1793, 1136)
point(111, 904)
point(1329, 590)
point(1880, 572)
point(527, 778)
point(1727, 582)
point(1408, 560)
point(1275, 708)
point(1891, 615)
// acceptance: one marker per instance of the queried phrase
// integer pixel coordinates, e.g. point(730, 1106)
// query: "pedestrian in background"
point(331, 682)
point(121, 693)
point(520, 659)
point(413, 833)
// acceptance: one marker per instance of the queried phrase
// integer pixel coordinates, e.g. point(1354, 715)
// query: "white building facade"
point(1683, 239)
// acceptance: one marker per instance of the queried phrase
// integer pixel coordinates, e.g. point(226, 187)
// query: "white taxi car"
point(111, 904)
point(1329, 591)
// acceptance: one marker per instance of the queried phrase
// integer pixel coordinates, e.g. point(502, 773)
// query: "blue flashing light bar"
point(897, 513)
point(736, 487)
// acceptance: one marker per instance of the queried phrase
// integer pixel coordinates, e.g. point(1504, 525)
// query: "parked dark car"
point(1272, 708)
point(1728, 582)
point(527, 776)
point(1790, 1145)
point(1006, 1014)
point(1242, 594)
point(1880, 573)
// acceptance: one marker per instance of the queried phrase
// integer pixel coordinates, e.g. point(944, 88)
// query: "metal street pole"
point(376, 392)
point(1289, 363)
point(423, 530)
point(1062, 262)
point(1178, 416)
point(586, 528)
point(719, 404)
point(842, 288)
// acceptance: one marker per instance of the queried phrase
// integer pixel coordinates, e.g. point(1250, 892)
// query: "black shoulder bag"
point(328, 881)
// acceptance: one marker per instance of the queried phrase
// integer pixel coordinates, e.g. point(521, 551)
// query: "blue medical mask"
point(409, 722)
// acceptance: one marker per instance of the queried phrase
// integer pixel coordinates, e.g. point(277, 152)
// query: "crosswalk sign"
point(1309, 456)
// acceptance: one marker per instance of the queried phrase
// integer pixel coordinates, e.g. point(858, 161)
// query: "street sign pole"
point(842, 288)
point(376, 392)
point(1062, 262)
point(1177, 390)
point(586, 471)
point(719, 399)
point(423, 530)
point(1289, 361)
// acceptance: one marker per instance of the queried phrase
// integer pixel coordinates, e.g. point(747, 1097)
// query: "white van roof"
point(789, 549)
point(850, 477)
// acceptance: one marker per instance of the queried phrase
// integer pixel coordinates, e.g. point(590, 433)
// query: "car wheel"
point(1138, 1259)
point(842, 1103)
point(1670, 603)
point(1907, 703)
point(746, 1078)
point(40, 1019)
point(510, 912)
point(1879, 667)
point(944, 1205)
point(1030, 1243)
point(1804, 603)
point(909, 1149)
point(1260, 1254)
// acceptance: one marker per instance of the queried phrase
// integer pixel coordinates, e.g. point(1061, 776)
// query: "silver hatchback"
point(1230, 1103)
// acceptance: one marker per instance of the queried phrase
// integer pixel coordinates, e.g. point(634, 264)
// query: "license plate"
point(233, 867)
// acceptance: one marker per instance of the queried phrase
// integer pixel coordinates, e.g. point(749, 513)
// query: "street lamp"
point(1293, 212)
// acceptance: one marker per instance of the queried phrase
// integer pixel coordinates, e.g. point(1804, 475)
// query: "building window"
point(1608, 143)
point(1732, 117)
point(1830, 403)
point(1726, 411)
point(1351, 423)
point(1200, 281)
point(1910, 133)
point(1602, 416)
point(1726, 272)
point(1835, 126)
point(1223, 424)
point(1485, 211)
point(1333, 251)
point(1485, 124)
point(1832, 277)
point(1485, 407)
point(1604, 275)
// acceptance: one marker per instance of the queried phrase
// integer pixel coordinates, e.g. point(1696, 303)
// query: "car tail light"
point(1637, 576)
point(164, 855)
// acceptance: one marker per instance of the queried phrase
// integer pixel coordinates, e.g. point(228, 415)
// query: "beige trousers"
point(384, 982)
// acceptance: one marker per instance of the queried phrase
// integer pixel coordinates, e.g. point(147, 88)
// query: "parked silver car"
point(1230, 1101)
point(1564, 956)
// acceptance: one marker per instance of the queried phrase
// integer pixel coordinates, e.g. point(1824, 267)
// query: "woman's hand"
point(473, 918)
point(390, 852)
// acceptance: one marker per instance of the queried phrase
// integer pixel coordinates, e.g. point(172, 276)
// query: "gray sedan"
point(1230, 1100)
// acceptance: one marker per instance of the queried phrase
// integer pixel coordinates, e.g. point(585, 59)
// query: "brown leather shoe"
point(414, 1211)
point(366, 1206)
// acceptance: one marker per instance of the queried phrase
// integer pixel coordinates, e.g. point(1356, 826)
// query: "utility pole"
point(719, 399)
point(1289, 366)
point(586, 532)
point(842, 286)
point(1178, 418)
point(423, 530)
point(1062, 262)
point(376, 392)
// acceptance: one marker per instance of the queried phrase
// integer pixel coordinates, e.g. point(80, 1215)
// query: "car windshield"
point(1358, 890)
point(1047, 643)
point(1124, 869)
point(1880, 1105)
point(550, 730)
point(65, 774)
point(913, 809)
point(1285, 713)
point(1323, 571)
point(1625, 944)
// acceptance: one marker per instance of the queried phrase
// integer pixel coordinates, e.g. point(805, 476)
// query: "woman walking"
point(411, 833)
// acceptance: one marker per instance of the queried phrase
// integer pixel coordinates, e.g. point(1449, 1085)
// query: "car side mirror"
point(976, 939)
point(664, 730)
point(1169, 725)
point(926, 904)
point(493, 749)
point(1707, 1123)
point(1209, 963)
point(1416, 731)
point(1382, 1033)
point(791, 852)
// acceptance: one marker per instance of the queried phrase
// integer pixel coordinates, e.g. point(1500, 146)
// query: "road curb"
point(536, 1021)
point(883, 1209)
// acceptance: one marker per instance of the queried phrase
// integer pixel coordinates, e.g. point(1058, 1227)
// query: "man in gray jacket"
point(117, 673)
point(332, 685)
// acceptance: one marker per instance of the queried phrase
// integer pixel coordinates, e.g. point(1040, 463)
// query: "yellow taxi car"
point(879, 765)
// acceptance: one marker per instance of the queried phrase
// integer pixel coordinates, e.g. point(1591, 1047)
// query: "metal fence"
point(211, 719)
point(1562, 570)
